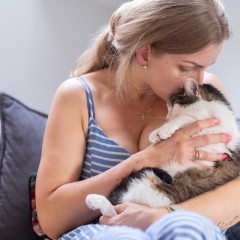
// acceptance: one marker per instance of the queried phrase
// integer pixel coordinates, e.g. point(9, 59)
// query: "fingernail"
point(216, 120)
point(224, 155)
point(228, 138)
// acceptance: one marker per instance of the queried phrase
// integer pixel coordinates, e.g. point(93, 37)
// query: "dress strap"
point(89, 97)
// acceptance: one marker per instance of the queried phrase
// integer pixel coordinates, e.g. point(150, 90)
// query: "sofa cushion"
point(0, 141)
point(22, 134)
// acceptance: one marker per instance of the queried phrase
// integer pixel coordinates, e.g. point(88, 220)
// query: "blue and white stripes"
point(102, 153)
point(186, 225)
point(179, 225)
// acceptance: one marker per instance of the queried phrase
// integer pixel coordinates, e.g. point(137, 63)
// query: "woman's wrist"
point(125, 168)
point(157, 213)
point(137, 161)
point(173, 207)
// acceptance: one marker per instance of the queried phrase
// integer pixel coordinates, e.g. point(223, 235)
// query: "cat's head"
point(192, 92)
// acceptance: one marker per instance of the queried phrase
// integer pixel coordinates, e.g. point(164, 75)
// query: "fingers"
point(114, 219)
point(209, 139)
point(120, 208)
point(188, 149)
point(123, 206)
point(196, 126)
point(210, 156)
point(105, 220)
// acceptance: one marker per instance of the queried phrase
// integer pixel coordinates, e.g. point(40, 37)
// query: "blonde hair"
point(175, 27)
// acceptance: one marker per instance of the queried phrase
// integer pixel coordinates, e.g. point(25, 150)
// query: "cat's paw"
point(162, 133)
point(167, 130)
point(154, 137)
point(95, 202)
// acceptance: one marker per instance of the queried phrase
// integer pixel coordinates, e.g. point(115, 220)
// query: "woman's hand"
point(134, 215)
point(182, 146)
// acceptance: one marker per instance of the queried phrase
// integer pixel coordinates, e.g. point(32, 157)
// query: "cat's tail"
point(100, 202)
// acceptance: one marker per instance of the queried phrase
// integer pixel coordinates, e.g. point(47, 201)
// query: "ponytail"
point(99, 56)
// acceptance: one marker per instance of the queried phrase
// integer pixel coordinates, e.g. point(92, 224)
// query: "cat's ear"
point(191, 87)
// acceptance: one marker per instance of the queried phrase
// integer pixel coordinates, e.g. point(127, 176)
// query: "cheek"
point(175, 85)
point(166, 81)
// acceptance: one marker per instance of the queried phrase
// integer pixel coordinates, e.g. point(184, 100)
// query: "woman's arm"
point(220, 205)
point(60, 196)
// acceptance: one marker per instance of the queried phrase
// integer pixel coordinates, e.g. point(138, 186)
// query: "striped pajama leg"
point(179, 225)
point(85, 232)
point(184, 225)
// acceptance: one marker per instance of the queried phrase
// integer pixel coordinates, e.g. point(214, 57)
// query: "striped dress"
point(102, 153)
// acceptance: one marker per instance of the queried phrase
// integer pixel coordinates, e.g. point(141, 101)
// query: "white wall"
point(227, 67)
point(41, 39)
point(39, 43)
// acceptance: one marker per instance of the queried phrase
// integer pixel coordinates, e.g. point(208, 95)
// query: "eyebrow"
point(194, 63)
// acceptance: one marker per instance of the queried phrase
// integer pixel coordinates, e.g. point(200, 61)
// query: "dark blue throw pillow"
point(22, 131)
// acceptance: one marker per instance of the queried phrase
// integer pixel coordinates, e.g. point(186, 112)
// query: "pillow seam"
point(22, 104)
point(3, 148)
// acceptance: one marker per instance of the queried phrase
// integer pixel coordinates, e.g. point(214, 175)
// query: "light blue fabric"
point(179, 225)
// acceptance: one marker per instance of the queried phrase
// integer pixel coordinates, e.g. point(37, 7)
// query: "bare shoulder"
point(71, 95)
point(64, 138)
point(70, 103)
point(70, 91)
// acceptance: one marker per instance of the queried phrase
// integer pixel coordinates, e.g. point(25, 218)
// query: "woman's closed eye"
point(185, 69)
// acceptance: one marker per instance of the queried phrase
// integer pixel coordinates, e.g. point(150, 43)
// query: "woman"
point(99, 123)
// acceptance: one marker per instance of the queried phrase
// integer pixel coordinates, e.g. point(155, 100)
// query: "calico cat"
point(176, 182)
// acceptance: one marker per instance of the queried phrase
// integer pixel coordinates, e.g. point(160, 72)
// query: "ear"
point(191, 87)
point(142, 54)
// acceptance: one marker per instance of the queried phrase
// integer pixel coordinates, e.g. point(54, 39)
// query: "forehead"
point(204, 57)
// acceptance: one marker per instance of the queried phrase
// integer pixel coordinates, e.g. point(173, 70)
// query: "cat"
point(176, 182)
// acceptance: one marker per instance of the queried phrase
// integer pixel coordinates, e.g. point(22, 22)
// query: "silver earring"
point(144, 66)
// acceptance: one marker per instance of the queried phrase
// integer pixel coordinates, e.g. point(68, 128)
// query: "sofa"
point(22, 131)
point(20, 148)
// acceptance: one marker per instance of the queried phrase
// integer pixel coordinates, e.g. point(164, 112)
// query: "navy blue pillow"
point(22, 131)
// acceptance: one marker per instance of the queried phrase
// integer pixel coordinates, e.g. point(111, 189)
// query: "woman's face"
point(166, 74)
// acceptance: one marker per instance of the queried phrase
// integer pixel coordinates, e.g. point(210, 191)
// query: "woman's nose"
point(199, 77)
